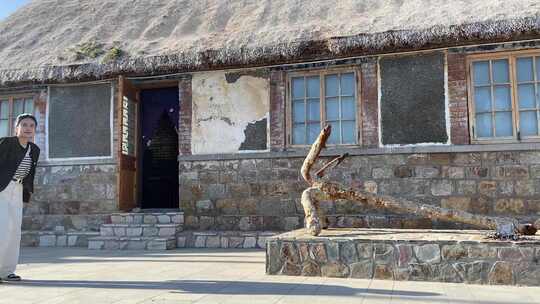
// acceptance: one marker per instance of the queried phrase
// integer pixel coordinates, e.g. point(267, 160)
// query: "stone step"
point(148, 218)
point(131, 243)
point(136, 230)
point(43, 238)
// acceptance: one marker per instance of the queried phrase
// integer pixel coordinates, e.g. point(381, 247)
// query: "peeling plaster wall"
point(222, 109)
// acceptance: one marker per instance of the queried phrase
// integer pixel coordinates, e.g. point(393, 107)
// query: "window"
point(320, 99)
point(505, 97)
point(87, 109)
point(10, 108)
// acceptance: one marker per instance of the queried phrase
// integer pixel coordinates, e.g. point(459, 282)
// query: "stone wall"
point(74, 189)
point(410, 255)
point(264, 194)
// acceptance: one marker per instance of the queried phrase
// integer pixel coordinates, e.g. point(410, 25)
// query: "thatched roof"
point(52, 40)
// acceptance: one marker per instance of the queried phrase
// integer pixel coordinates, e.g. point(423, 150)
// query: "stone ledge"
point(141, 225)
point(131, 243)
point(456, 256)
point(356, 151)
point(224, 239)
point(32, 238)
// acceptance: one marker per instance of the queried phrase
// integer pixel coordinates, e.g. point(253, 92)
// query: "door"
point(128, 101)
point(159, 148)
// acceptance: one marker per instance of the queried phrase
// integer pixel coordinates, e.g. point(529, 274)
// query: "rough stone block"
point(156, 245)
point(429, 253)
point(213, 242)
point(404, 255)
point(516, 253)
point(115, 245)
point(336, 270)
point(61, 241)
point(119, 231)
point(167, 231)
point(383, 253)
point(347, 251)
point(370, 187)
point(164, 219)
point(181, 242)
point(457, 203)
point(488, 188)
point(200, 241)
point(250, 242)
point(514, 206)
point(466, 187)
point(441, 187)
point(501, 273)
point(473, 272)
point(384, 172)
point(482, 252)
point(134, 231)
point(117, 219)
point(96, 245)
point(150, 219)
point(362, 269)
point(137, 219)
point(72, 240)
point(224, 242)
point(403, 172)
point(47, 241)
point(150, 231)
point(204, 207)
point(455, 172)
point(476, 172)
point(236, 242)
point(106, 231)
point(454, 252)
point(525, 187)
point(427, 172)
point(136, 245)
point(178, 219)
point(261, 242)
point(383, 272)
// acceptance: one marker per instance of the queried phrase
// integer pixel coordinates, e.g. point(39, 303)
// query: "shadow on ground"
point(224, 287)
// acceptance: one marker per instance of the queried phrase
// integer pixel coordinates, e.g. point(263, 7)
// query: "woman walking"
point(18, 159)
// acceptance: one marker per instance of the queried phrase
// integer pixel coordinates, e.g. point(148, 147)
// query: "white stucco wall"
point(222, 110)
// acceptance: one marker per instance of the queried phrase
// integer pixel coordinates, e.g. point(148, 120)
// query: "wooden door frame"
point(128, 171)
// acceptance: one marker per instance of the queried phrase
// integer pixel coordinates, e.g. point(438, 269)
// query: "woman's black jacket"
point(11, 155)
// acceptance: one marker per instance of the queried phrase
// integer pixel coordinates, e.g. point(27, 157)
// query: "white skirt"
point(11, 207)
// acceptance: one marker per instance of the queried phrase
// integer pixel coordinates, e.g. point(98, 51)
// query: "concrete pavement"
point(62, 275)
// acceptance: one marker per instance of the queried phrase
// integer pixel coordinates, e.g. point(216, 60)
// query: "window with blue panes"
point(505, 98)
point(10, 108)
point(324, 99)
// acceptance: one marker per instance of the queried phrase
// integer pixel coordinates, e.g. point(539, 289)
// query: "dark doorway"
point(159, 147)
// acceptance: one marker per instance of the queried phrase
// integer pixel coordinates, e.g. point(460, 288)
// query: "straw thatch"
point(55, 40)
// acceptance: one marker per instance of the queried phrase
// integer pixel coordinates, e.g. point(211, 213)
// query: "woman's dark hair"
point(23, 116)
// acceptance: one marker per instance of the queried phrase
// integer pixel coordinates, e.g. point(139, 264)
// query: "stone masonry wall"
point(264, 194)
point(74, 189)
point(410, 255)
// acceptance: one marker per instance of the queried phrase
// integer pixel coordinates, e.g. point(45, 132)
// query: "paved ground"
point(55, 275)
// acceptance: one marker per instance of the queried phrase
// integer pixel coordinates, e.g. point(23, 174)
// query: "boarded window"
point(80, 121)
point(413, 99)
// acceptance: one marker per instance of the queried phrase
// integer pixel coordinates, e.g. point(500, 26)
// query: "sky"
point(9, 6)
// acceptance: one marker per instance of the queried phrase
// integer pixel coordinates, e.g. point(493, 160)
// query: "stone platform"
point(458, 256)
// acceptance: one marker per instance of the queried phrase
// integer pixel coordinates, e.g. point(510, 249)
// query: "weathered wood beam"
point(324, 190)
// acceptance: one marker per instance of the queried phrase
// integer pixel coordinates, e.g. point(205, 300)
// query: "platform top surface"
point(408, 235)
